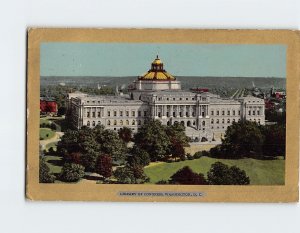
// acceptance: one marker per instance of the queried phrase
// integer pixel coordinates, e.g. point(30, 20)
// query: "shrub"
point(72, 172)
point(188, 177)
point(198, 155)
point(44, 173)
point(182, 158)
point(104, 166)
point(189, 156)
point(205, 153)
point(162, 182)
point(221, 174)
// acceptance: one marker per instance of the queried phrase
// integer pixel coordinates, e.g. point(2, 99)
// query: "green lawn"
point(261, 172)
point(46, 133)
point(49, 145)
point(44, 120)
point(54, 163)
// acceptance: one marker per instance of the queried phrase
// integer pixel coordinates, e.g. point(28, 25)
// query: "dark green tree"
point(187, 177)
point(138, 156)
point(275, 137)
point(110, 143)
point(152, 138)
point(104, 166)
point(130, 175)
point(44, 172)
point(72, 172)
point(125, 134)
point(242, 139)
point(221, 174)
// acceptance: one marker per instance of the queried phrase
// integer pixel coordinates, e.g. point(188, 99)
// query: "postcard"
point(168, 115)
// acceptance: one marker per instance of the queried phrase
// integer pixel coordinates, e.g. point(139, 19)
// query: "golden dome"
point(157, 72)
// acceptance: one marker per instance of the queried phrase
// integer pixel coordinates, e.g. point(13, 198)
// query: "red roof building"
point(48, 106)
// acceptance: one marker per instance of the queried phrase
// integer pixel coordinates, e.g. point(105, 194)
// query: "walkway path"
point(56, 138)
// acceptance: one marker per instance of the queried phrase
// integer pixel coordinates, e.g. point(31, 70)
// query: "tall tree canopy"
point(152, 137)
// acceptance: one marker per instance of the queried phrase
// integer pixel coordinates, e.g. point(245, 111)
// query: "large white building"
point(158, 95)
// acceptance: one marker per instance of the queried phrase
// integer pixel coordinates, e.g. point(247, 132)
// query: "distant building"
point(48, 106)
point(158, 95)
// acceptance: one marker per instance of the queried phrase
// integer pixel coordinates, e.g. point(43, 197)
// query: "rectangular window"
point(249, 113)
point(212, 113)
point(145, 113)
point(180, 114)
point(167, 114)
point(187, 114)
point(223, 113)
point(133, 113)
point(88, 114)
point(94, 114)
point(174, 114)
point(159, 114)
point(139, 113)
point(253, 113)
point(218, 113)
point(174, 99)
point(258, 113)
point(121, 113)
point(108, 113)
point(228, 112)
point(233, 112)
point(115, 113)
point(127, 113)
point(98, 114)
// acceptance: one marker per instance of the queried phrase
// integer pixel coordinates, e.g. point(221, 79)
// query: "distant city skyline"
point(134, 59)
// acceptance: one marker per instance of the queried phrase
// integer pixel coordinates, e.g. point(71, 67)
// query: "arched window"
point(94, 123)
point(108, 122)
point(88, 123)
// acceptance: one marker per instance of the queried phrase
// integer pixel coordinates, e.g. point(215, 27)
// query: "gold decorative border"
point(97, 192)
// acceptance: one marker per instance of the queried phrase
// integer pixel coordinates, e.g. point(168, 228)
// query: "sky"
point(134, 59)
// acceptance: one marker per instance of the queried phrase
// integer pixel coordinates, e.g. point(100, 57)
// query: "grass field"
point(261, 172)
point(46, 133)
point(49, 145)
point(54, 163)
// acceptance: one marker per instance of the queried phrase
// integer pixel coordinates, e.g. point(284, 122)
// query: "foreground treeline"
point(219, 174)
point(248, 139)
point(107, 153)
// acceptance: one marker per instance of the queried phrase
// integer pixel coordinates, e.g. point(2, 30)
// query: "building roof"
point(157, 72)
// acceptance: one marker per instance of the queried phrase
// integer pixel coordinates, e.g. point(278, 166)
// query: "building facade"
point(158, 95)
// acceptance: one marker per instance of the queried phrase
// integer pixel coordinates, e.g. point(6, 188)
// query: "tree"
point(72, 172)
point(221, 174)
point(110, 143)
point(176, 149)
point(177, 132)
point(152, 138)
point(242, 139)
point(187, 177)
point(104, 166)
point(131, 175)
point(125, 134)
point(138, 157)
point(44, 172)
point(275, 137)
